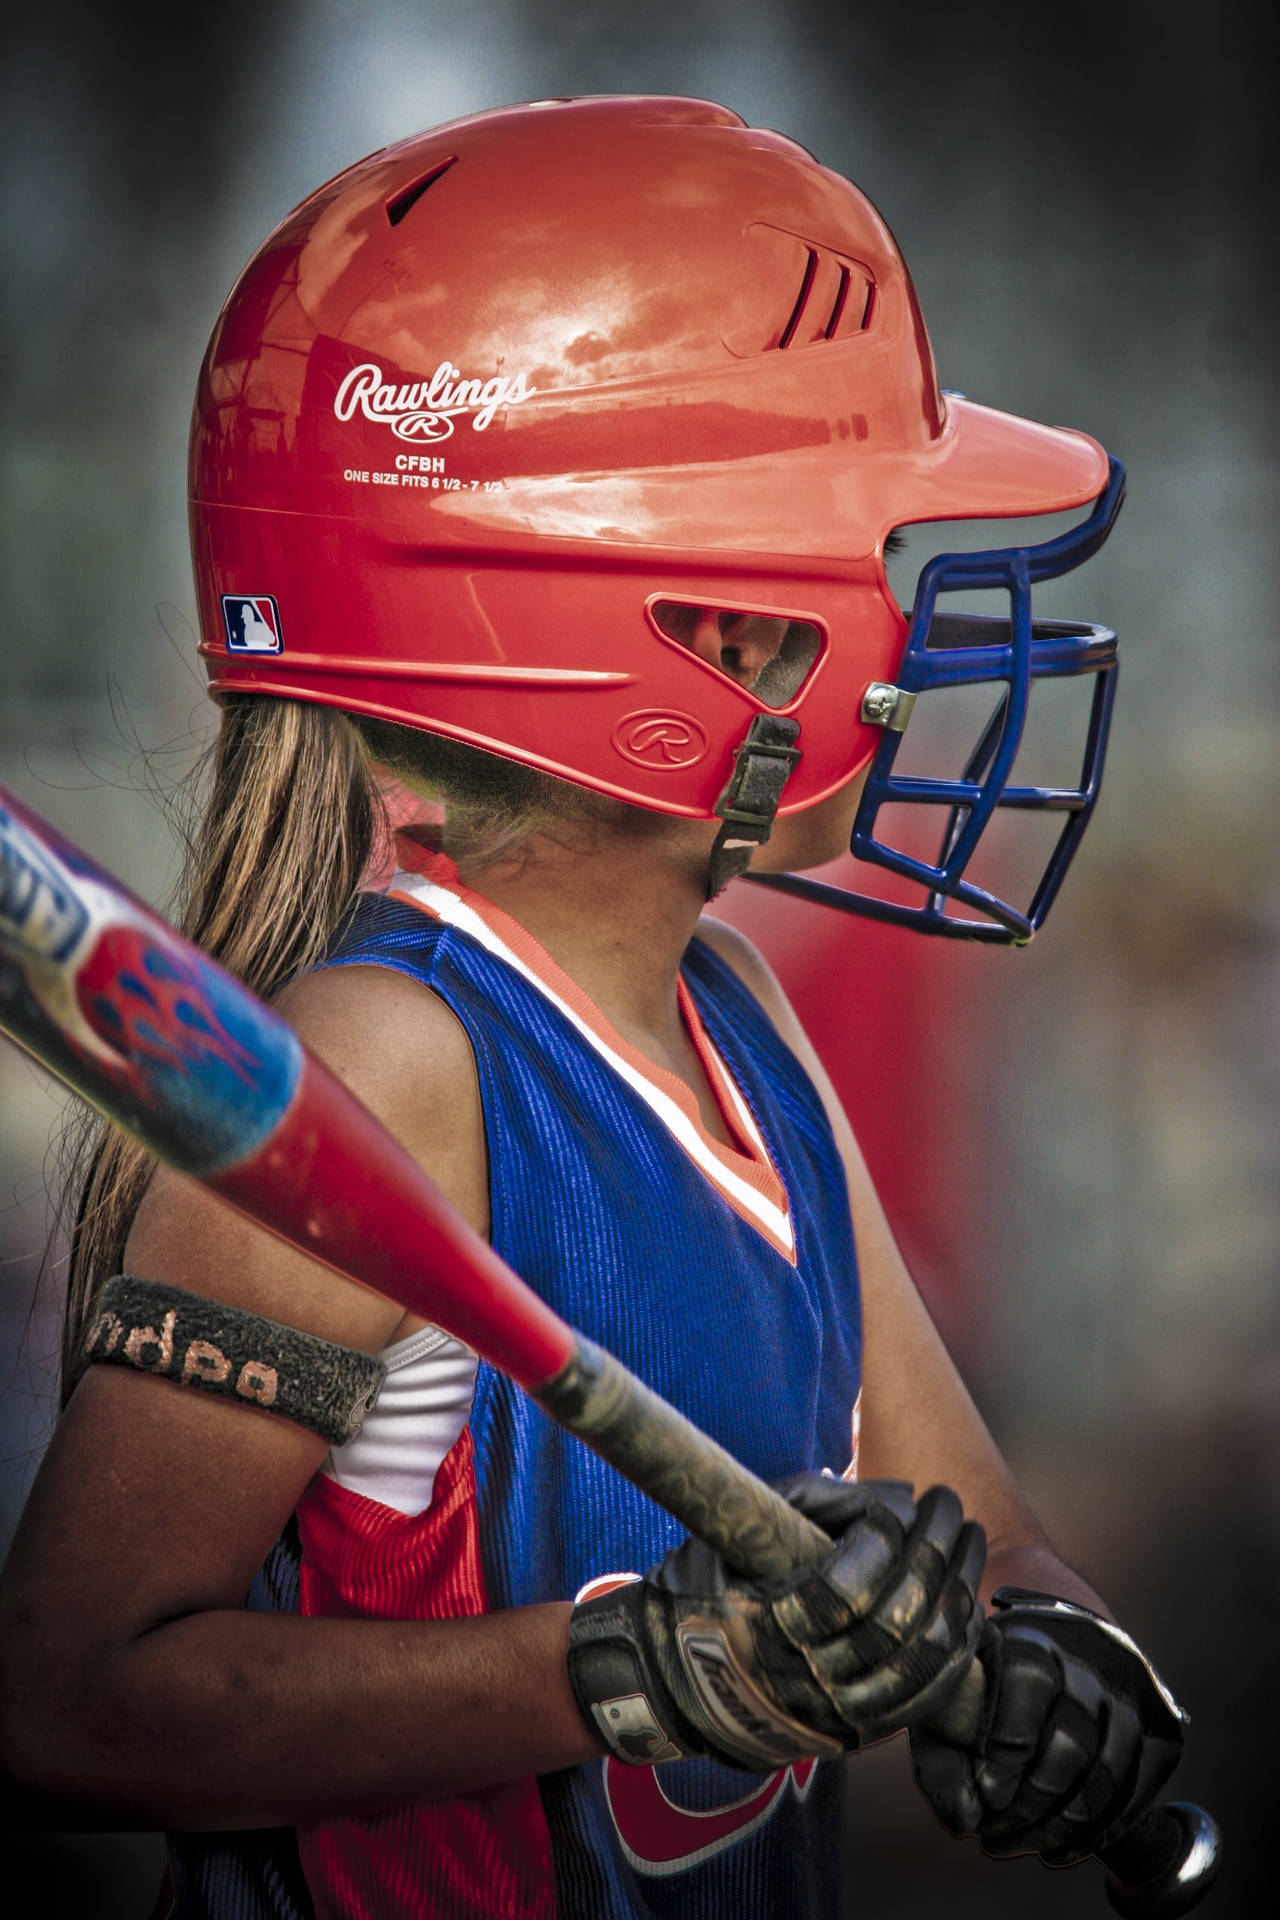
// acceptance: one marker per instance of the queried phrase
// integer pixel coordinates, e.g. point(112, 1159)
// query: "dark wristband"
point(240, 1356)
point(618, 1694)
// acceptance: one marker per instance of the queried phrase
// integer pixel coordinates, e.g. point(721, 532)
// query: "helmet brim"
point(988, 465)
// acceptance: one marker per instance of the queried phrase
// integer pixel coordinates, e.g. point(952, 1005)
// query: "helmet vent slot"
point(787, 292)
point(409, 197)
point(806, 285)
point(838, 303)
point(842, 297)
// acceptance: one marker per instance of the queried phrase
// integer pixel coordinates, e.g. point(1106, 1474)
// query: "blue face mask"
point(947, 650)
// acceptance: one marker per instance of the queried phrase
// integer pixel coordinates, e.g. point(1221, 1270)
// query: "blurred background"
point(1077, 1141)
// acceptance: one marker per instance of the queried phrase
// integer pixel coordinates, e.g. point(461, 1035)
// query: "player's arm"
point(132, 1676)
point(919, 1422)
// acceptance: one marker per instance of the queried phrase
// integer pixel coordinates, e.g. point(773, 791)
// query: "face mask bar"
point(951, 650)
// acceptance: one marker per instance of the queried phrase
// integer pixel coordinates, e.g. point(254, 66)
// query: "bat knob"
point(1164, 1864)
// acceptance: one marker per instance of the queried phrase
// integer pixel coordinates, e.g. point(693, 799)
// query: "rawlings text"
point(426, 409)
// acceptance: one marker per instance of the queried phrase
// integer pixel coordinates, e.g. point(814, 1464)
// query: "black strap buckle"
point(761, 768)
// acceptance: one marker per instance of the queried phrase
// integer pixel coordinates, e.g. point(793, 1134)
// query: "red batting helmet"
point(489, 398)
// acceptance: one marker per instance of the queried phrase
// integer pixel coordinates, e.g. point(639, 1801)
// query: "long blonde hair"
point(274, 863)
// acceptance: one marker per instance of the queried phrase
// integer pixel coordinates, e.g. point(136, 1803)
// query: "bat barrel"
point(310, 1183)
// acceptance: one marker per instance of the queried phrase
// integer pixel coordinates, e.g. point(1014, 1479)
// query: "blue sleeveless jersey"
point(600, 1204)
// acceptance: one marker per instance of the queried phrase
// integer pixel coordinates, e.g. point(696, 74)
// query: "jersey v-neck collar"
point(744, 1176)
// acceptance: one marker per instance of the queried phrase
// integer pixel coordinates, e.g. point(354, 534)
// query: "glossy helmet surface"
point(489, 398)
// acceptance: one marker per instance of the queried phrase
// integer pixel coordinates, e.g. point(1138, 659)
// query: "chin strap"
point(761, 769)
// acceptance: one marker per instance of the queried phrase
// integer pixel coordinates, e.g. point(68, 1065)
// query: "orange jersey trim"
point(744, 1175)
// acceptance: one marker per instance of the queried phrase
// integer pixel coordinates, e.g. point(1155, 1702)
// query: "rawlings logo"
point(427, 409)
point(655, 737)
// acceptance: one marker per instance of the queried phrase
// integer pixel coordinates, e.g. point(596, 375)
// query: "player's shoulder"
point(390, 1037)
point(365, 1011)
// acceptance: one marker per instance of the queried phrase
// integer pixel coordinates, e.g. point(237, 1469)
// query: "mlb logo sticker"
point(252, 623)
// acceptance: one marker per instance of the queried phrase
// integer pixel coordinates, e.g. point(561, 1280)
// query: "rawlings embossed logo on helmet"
point(654, 738)
point(427, 409)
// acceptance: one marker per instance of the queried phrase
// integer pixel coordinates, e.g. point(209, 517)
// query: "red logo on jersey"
point(660, 1838)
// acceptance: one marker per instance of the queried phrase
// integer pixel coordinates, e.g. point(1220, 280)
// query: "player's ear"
point(697, 628)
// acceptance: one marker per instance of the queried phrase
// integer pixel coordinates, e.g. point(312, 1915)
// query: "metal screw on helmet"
point(885, 706)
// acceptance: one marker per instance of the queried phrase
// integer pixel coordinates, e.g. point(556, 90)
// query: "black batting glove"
point(1078, 1736)
point(695, 1660)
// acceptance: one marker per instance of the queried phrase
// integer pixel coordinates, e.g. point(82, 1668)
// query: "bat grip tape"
point(713, 1495)
point(239, 1356)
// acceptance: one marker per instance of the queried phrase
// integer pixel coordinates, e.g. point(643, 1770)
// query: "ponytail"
point(273, 867)
point(294, 818)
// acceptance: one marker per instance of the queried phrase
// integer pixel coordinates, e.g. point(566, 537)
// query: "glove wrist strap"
point(614, 1685)
point(1028, 1600)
